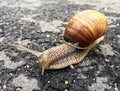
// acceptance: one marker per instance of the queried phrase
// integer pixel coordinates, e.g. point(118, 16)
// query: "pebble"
point(18, 89)
point(117, 24)
point(18, 69)
point(27, 66)
point(78, 77)
point(47, 36)
point(4, 86)
point(11, 74)
point(118, 36)
point(66, 90)
point(116, 89)
point(74, 81)
point(107, 60)
point(48, 82)
point(0, 30)
point(71, 66)
point(66, 82)
point(112, 26)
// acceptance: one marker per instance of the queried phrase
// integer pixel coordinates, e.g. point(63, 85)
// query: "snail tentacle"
point(24, 49)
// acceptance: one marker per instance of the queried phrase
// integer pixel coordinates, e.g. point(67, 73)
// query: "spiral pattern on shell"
point(85, 27)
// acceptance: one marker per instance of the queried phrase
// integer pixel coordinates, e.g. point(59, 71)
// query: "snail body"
point(83, 32)
point(60, 56)
point(63, 55)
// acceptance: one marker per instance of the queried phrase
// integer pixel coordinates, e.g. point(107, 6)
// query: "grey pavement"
point(39, 25)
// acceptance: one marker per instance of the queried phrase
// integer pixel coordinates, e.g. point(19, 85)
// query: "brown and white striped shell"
point(85, 27)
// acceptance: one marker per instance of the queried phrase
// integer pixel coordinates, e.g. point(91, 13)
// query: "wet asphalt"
point(39, 25)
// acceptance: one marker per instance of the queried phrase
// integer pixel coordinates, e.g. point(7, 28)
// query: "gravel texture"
point(39, 25)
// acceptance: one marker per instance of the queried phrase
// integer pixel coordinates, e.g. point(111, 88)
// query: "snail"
point(84, 30)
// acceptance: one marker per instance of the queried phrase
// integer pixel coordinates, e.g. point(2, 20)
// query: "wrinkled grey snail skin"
point(60, 56)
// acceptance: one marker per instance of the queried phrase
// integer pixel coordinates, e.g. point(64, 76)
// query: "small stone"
point(11, 74)
point(2, 38)
point(37, 62)
point(116, 88)
point(27, 66)
point(4, 86)
point(47, 36)
point(71, 66)
point(22, 27)
point(18, 89)
point(18, 69)
point(32, 32)
point(66, 90)
point(117, 24)
point(74, 81)
point(114, 30)
point(0, 30)
point(66, 82)
point(78, 77)
point(107, 60)
point(118, 36)
point(112, 26)
point(48, 81)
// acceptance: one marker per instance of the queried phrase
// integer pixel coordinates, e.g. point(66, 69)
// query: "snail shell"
point(85, 27)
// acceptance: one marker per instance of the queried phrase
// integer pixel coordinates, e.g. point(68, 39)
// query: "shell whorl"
point(85, 27)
